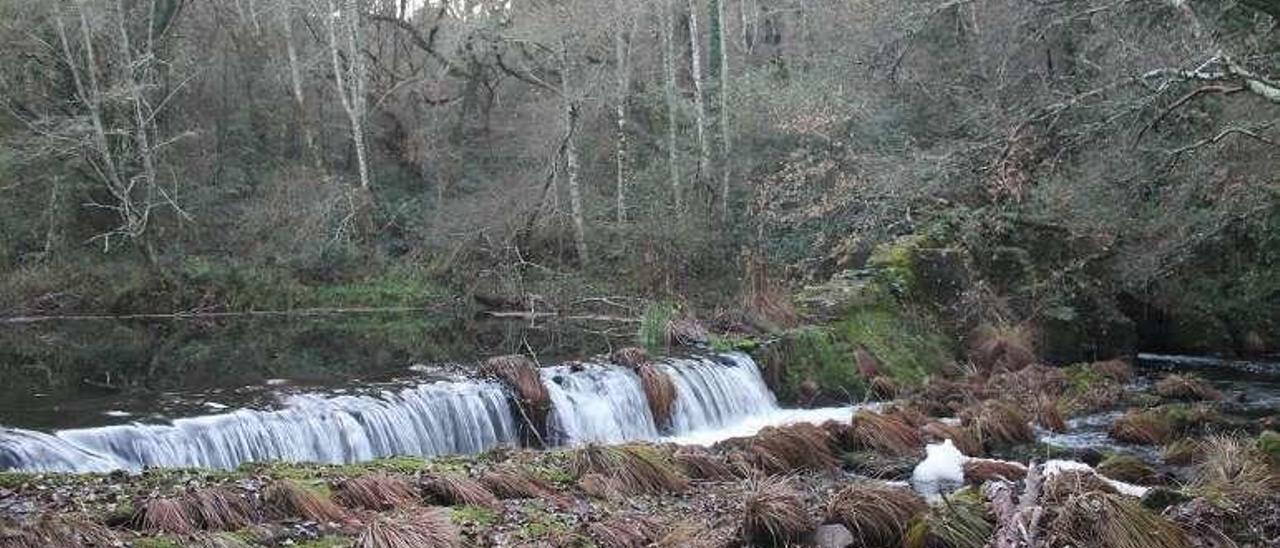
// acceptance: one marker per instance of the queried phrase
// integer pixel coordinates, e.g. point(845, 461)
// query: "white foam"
point(941, 469)
point(751, 425)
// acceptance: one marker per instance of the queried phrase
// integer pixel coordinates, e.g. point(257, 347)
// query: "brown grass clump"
point(878, 514)
point(1187, 387)
point(377, 492)
point(774, 514)
point(419, 528)
point(1116, 370)
point(288, 498)
point(1114, 521)
point(868, 366)
point(57, 531)
point(785, 449)
point(635, 468)
point(630, 356)
point(1003, 348)
point(1143, 427)
point(516, 484)
point(693, 533)
point(1061, 485)
point(998, 424)
point(218, 509)
point(700, 464)
point(1182, 452)
point(624, 531)
point(1129, 469)
point(884, 388)
point(963, 438)
point(1030, 381)
point(890, 434)
point(164, 515)
point(457, 490)
point(979, 471)
point(1049, 414)
point(601, 487)
point(1234, 471)
point(660, 392)
point(521, 376)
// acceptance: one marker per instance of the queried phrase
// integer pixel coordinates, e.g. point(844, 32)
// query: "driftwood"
point(1016, 523)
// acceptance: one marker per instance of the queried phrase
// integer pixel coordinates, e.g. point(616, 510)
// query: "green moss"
point(815, 355)
point(733, 343)
point(895, 264)
point(472, 515)
point(1269, 443)
point(909, 349)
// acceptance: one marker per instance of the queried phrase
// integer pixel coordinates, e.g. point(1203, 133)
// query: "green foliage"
point(476, 516)
point(652, 334)
point(895, 266)
point(1269, 443)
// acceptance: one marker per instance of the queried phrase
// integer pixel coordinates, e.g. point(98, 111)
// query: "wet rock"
point(1160, 498)
point(832, 536)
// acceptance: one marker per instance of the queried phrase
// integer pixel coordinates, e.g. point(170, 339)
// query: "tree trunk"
point(299, 97)
point(667, 22)
point(620, 48)
point(725, 143)
point(352, 79)
point(571, 155)
point(699, 94)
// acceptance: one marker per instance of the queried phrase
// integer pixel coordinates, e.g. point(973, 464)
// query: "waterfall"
point(592, 402)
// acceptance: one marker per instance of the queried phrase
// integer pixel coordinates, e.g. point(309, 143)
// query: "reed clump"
point(218, 509)
point(1187, 388)
point(625, 531)
point(1129, 469)
point(1146, 427)
point(774, 514)
point(960, 520)
point(998, 424)
point(510, 483)
point(458, 490)
point(377, 492)
point(878, 514)
point(791, 448)
point(886, 433)
point(659, 392)
point(289, 499)
point(1001, 348)
point(633, 468)
point(164, 515)
point(963, 438)
point(1111, 520)
point(417, 528)
point(979, 471)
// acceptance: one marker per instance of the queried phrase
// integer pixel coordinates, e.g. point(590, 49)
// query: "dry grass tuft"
point(218, 509)
point(625, 531)
point(878, 514)
point(1030, 381)
point(458, 490)
point(660, 392)
point(795, 447)
point(57, 531)
point(1001, 348)
point(288, 498)
point(633, 468)
point(516, 484)
point(419, 528)
point(1147, 427)
point(700, 464)
point(164, 515)
point(886, 433)
point(998, 424)
point(521, 376)
point(884, 388)
point(377, 492)
point(693, 533)
point(868, 366)
point(1050, 415)
point(630, 356)
point(963, 438)
point(1182, 452)
point(1233, 470)
point(1129, 469)
point(774, 514)
point(1187, 387)
point(601, 487)
point(1114, 521)
point(1060, 486)
point(979, 471)
point(1116, 370)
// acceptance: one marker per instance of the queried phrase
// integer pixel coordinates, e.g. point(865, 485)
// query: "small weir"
point(593, 402)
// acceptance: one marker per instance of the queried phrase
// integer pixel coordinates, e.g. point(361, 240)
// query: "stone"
point(832, 535)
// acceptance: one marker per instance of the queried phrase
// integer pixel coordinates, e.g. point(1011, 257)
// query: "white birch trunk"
point(699, 94)
point(667, 22)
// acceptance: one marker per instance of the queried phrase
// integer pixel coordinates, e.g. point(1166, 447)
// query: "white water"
point(717, 398)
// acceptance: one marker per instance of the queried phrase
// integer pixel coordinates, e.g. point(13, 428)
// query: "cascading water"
point(593, 402)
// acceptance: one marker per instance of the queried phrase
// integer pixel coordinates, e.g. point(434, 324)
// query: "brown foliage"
point(1142, 427)
point(1005, 348)
point(516, 484)
point(601, 487)
point(1182, 452)
point(521, 376)
point(164, 515)
point(288, 498)
point(998, 423)
point(57, 531)
point(630, 356)
point(786, 449)
point(774, 514)
point(884, 388)
point(458, 490)
point(633, 468)
point(963, 438)
point(218, 509)
point(625, 531)
point(378, 492)
point(1104, 519)
point(660, 392)
point(1187, 387)
point(700, 464)
point(978, 471)
point(1116, 370)
point(878, 514)
point(418, 528)
point(1063, 484)
point(1128, 469)
point(1030, 381)
point(1049, 414)
point(1235, 470)
point(885, 433)
point(868, 366)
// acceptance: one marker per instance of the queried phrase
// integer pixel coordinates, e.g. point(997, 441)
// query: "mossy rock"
point(879, 465)
point(1160, 498)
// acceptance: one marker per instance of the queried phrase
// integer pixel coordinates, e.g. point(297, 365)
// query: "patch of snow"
point(941, 470)
point(1059, 466)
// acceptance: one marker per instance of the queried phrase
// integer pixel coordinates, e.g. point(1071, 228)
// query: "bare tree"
point(725, 143)
point(296, 86)
point(622, 65)
point(350, 73)
point(699, 93)
point(666, 22)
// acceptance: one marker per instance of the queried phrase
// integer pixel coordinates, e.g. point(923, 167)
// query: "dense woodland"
point(1108, 164)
